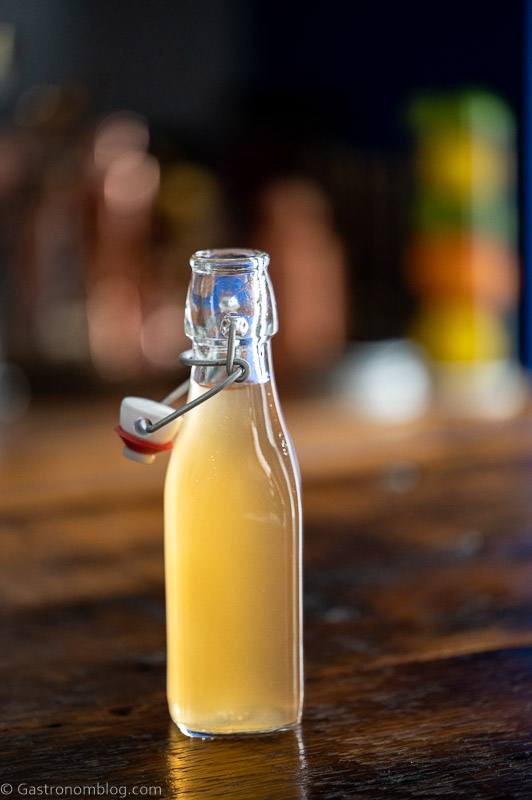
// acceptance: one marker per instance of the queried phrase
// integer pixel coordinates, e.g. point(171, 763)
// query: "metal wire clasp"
point(237, 371)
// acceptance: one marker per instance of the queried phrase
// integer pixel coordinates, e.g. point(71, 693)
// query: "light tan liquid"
point(232, 555)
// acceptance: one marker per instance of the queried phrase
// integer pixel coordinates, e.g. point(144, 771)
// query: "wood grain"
point(418, 617)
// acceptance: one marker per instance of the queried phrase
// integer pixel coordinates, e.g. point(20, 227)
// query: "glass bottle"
point(233, 520)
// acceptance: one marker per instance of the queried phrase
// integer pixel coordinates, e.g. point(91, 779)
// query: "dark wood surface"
point(418, 617)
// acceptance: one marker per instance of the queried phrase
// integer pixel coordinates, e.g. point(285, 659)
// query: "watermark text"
point(79, 790)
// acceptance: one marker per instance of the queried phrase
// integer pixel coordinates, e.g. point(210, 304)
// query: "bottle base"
point(194, 734)
point(232, 724)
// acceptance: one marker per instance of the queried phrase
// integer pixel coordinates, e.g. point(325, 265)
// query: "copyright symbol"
point(6, 788)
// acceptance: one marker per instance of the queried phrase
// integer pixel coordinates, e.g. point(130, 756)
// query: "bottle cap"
point(138, 445)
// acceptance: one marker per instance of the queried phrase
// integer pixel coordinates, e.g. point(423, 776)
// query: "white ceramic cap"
point(134, 408)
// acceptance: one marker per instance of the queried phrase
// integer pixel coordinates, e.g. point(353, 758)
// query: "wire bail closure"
point(237, 371)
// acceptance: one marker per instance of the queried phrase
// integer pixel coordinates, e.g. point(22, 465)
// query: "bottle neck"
point(230, 293)
point(257, 353)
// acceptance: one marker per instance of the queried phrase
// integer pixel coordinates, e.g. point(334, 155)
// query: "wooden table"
point(418, 626)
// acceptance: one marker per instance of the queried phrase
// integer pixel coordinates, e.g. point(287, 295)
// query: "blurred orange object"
point(308, 269)
point(463, 266)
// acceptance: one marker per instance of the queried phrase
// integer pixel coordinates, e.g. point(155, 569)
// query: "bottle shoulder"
point(239, 433)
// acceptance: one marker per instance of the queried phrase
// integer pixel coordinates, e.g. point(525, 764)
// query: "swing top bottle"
point(233, 519)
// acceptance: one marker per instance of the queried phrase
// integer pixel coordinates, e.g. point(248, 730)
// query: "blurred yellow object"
point(465, 267)
point(188, 192)
point(461, 332)
point(460, 165)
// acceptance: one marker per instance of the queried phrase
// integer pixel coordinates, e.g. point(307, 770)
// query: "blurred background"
point(380, 152)
point(374, 151)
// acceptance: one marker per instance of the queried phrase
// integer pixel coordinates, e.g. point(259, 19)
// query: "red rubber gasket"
point(142, 445)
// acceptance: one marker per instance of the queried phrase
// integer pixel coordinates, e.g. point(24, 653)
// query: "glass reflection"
point(262, 767)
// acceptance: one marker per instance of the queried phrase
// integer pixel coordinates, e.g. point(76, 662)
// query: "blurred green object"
point(434, 212)
point(481, 112)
